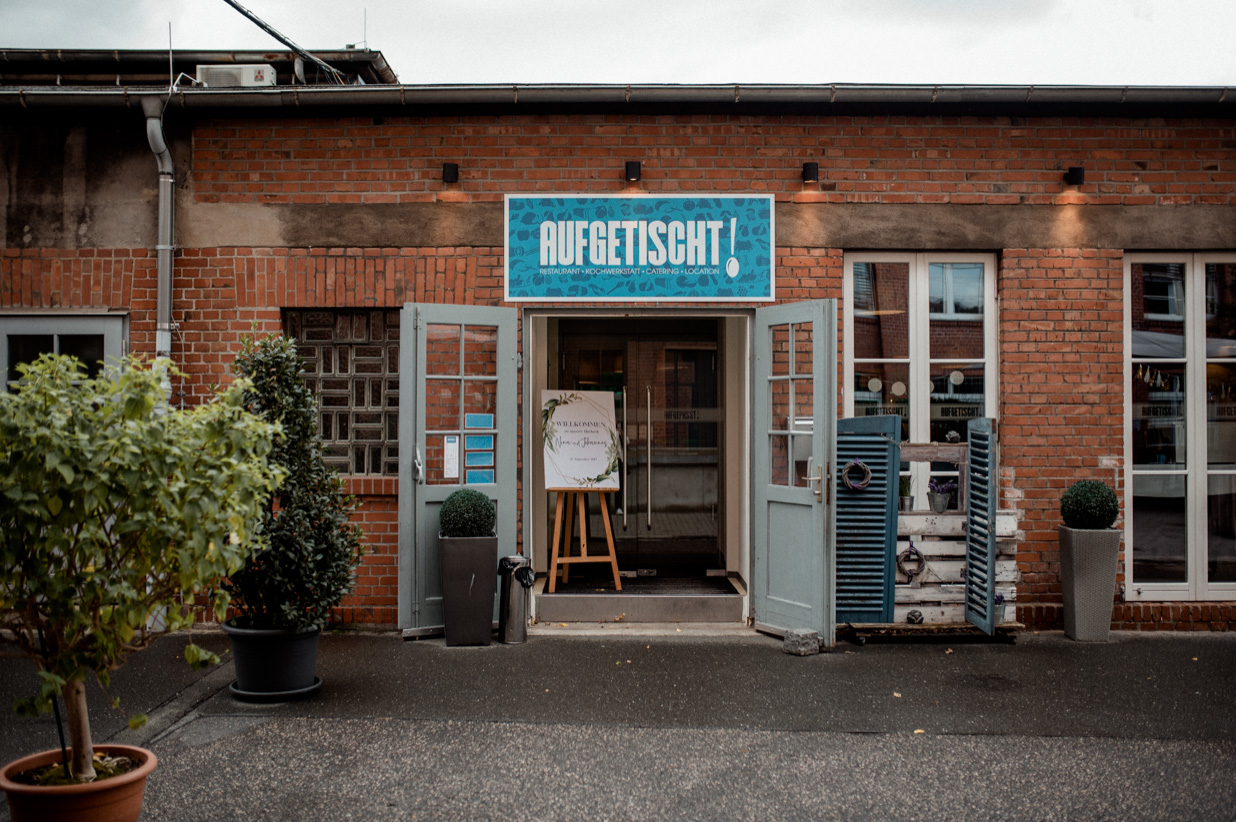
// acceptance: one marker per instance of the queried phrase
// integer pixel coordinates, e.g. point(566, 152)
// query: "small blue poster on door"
point(640, 249)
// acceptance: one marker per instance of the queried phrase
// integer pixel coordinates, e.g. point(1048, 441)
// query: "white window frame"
point(1197, 300)
point(919, 360)
point(113, 326)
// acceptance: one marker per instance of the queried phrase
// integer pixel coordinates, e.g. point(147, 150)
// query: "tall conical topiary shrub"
point(313, 550)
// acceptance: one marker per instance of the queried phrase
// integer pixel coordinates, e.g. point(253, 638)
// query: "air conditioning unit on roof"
point(245, 75)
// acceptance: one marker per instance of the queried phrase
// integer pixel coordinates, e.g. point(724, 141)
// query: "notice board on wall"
point(581, 440)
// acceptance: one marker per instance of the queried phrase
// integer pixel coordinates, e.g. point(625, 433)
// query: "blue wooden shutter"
point(982, 503)
point(867, 518)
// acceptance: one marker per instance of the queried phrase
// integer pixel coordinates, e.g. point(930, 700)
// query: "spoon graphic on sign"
point(731, 265)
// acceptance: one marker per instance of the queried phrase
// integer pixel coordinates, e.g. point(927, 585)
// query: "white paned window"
point(920, 342)
point(1180, 426)
point(95, 339)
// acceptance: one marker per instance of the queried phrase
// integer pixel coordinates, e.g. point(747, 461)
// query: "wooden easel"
point(574, 498)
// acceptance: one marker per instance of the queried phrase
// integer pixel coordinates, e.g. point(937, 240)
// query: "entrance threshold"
point(679, 630)
point(642, 600)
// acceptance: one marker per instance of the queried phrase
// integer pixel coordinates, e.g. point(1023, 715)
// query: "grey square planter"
point(469, 583)
point(1088, 573)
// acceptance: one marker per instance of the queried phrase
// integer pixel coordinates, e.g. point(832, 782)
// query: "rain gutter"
point(543, 94)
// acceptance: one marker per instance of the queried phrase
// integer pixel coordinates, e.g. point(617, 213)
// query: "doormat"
point(648, 586)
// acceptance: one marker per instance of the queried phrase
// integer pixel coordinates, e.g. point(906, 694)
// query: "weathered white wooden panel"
point(952, 548)
point(951, 524)
point(941, 571)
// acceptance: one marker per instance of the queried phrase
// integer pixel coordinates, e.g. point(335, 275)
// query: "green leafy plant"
point(904, 486)
point(308, 564)
point(114, 512)
point(1089, 505)
point(467, 513)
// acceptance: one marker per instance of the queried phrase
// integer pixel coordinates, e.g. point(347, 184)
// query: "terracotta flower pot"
point(118, 799)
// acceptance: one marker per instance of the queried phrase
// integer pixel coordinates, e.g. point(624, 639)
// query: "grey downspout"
point(153, 109)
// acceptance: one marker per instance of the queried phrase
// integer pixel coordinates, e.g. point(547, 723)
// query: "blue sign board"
point(639, 248)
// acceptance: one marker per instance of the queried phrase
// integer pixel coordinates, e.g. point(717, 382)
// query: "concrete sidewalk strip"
point(618, 722)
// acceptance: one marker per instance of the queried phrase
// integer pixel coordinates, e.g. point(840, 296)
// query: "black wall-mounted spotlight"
point(811, 172)
point(450, 172)
point(632, 172)
point(1075, 176)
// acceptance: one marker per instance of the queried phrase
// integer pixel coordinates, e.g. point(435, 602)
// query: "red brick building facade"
point(323, 211)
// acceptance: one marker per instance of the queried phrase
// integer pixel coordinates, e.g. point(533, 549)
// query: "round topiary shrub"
point(1089, 505)
point(467, 513)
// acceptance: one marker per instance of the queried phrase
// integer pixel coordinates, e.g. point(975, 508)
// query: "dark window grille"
point(352, 367)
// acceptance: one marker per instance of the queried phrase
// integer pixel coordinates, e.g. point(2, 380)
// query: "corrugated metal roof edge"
point(616, 94)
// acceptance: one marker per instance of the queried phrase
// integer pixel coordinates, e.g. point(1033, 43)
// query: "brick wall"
point(876, 159)
point(1061, 398)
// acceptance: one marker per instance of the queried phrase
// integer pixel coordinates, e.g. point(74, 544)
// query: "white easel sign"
point(580, 440)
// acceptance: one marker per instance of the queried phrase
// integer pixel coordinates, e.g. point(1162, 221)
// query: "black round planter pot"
point(273, 664)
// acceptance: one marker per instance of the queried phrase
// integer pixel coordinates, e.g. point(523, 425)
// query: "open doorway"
point(680, 515)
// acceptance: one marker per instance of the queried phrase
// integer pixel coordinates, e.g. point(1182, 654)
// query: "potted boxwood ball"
point(468, 553)
point(1089, 548)
point(283, 596)
point(115, 511)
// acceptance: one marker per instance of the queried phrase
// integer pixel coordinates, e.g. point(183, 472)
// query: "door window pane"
point(881, 310)
point(883, 388)
point(1221, 528)
point(958, 395)
point(1221, 414)
point(442, 348)
point(780, 350)
point(1157, 304)
point(481, 350)
point(1160, 528)
point(1158, 415)
point(956, 289)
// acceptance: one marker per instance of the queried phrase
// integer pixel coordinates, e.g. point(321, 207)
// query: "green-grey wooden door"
point(457, 427)
point(794, 394)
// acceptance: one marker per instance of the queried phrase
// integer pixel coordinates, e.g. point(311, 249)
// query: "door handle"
point(625, 464)
point(817, 480)
point(417, 465)
point(648, 467)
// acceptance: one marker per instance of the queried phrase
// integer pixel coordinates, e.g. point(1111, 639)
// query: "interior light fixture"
point(811, 172)
point(450, 172)
point(1075, 176)
point(632, 172)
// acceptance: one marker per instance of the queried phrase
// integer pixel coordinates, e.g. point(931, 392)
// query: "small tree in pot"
point(468, 553)
point(114, 512)
point(1089, 549)
point(283, 596)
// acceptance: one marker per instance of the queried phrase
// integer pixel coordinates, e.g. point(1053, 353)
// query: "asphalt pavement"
point(668, 722)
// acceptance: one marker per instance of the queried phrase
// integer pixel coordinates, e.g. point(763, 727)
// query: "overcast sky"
point(1041, 42)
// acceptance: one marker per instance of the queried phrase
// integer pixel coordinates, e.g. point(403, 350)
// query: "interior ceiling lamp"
point(450, 172)
point(811, 172)
point(1075, 176)
point(632, 172)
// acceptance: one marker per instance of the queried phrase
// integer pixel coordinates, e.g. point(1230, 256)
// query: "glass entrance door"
point(666, 380)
